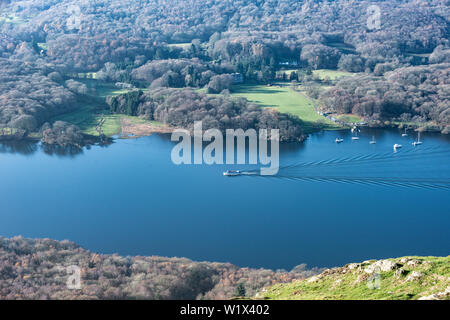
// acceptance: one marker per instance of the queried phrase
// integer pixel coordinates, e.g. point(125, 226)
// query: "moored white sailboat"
point(418, 142)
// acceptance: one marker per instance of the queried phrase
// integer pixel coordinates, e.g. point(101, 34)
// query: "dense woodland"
point(199, 44)
point(409, 94)
point(36, 269)
point(29, 97)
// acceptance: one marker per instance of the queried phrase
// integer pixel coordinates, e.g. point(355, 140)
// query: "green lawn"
point(285, 100)
point(332, 74)
point(89, 115)
point(183, 46)
point(287, 72)
point(12, 19)
point(103, 89)
point(83, 75)
point(349, 118)
point(92, 107)
point(42, 45)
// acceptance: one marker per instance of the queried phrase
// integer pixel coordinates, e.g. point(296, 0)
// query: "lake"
point(129, 198)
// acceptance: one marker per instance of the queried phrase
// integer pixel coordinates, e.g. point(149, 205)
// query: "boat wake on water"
point(377, 170)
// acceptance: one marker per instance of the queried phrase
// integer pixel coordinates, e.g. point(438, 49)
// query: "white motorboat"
point(232, 173)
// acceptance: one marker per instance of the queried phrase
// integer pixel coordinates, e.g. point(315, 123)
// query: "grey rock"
point(414, 276)
point(381, 266)
point(400, 272)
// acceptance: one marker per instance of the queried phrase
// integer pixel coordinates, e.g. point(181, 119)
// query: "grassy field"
point(285, 100)
point(409, 278)
point(287, 72)
point(83, 75)
point(8, 130)
point(183, 46)
point(349, 118)
point(12, 19)
point(332, 74)
point(42, 45)
point(92, 107)
point(89, 115)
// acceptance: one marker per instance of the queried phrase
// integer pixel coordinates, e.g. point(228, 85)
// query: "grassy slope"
point(284, 100)
point(346, 283)
point(89, 114)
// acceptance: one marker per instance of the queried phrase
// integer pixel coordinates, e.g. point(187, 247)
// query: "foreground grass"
point(410, 278)
point(285, 100)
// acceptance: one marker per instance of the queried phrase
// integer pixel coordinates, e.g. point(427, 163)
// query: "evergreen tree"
point(240, 290)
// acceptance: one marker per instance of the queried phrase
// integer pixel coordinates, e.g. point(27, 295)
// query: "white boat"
point(232, 173)
point(397, 146)
point(404, 134)
point(339, 140)
point(355, 130)
point(418, 142)
point(373, 141)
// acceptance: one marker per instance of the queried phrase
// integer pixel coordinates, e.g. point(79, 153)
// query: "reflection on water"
point(29, 147)
point(21, 147)
point(68, 151)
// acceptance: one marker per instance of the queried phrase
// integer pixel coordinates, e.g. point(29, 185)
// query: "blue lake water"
point(129, 198)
